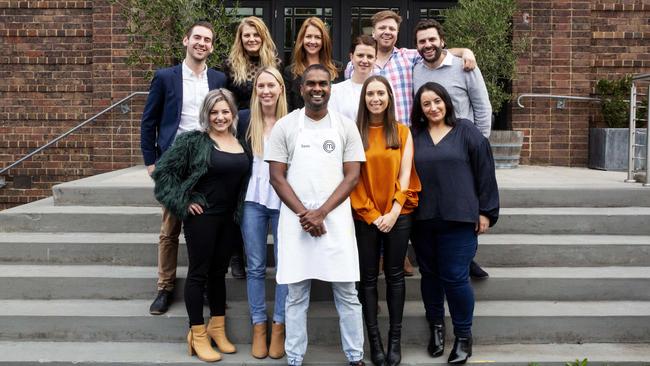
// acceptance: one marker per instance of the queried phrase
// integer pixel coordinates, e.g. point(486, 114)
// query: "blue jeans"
point(444, 250)
point(256, 220)
point(350, 320)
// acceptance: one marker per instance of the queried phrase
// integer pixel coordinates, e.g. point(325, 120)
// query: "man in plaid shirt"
point(396, 64)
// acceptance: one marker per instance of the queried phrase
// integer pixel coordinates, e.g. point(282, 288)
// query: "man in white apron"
point(314, 158)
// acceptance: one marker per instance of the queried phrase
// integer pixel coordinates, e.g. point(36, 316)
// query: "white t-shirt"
point(282, 141)
point(345, 98)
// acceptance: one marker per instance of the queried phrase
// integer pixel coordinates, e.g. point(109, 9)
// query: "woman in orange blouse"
point(382, 202)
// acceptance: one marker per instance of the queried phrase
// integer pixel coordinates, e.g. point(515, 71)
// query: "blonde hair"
point(299, 56)
point(212, 98)
point(238, 57)
point(255, 131)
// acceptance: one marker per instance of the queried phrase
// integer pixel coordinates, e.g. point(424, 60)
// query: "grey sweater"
point(466, 88)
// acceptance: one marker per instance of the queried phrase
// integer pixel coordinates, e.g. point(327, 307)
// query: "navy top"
point(457, 175)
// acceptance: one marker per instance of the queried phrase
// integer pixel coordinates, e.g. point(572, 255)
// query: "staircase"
point(569, 265)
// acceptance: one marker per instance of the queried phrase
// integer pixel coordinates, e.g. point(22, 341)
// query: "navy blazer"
point(162, 113)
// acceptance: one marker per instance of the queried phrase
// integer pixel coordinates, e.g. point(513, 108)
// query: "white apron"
point(315, 171)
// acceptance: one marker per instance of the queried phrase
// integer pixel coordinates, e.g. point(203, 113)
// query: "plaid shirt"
point(399, 72)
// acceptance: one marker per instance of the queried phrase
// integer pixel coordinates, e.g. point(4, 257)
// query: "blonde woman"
point(195, 179)
point(261, 212)
point(313, 46)
point(252, 50)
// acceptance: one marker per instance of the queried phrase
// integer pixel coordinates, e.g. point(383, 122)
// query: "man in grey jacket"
point(466, 88)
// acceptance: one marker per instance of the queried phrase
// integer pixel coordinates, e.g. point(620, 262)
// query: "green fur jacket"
point(181, 167)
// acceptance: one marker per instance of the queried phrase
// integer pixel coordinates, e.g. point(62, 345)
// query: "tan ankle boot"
point(198, 344)
point(217, 331)
point(276, 349)
point(259, 348)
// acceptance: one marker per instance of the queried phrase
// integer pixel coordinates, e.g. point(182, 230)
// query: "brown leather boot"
point(198, 344)
point(408, 267)
point(259, 348)
point(276, 350)
point(217, 331)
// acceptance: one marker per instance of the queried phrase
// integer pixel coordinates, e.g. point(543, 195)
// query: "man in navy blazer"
point(173, 107)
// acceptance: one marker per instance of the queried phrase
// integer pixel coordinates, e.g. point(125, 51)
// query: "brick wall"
point(573, 44)
point(62, 62)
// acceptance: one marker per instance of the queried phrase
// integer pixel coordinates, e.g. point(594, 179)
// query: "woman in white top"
point(345, 95)
point(261, 211)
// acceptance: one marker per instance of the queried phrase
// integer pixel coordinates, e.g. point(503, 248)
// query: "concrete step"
point(140, 353)
point(495, 250)
point(128, 282)
point(524, 187)
point(125, 187)
point(495, 322)
point(541, 250)
point(574, 220)
point(44, 216)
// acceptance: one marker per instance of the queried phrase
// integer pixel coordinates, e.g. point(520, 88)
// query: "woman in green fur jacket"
point(201, 179)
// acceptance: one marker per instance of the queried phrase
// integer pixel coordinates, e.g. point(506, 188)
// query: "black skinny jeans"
point(395, 244)
point(209, 242)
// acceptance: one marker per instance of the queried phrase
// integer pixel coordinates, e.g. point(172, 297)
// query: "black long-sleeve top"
point(457, 175)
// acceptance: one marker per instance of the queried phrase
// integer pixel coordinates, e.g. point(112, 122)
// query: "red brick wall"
point(62, 62)
point(573, 44)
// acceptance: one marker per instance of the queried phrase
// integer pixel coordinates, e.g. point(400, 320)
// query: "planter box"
point(506, 148)
point(608, 148)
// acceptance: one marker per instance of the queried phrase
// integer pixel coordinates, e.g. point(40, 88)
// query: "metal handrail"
point(64, 135)
point(561, 103)
point(631, 178)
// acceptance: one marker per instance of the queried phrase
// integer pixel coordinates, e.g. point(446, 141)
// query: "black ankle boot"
point(436, 345)
point(237, 267)
point(377, 355)
point(462, 350)
point(394, 352)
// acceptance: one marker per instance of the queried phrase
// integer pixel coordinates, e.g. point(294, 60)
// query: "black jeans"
point(395, 244)
point(209, 242)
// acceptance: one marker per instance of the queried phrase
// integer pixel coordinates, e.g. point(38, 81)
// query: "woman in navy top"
point(459, 201)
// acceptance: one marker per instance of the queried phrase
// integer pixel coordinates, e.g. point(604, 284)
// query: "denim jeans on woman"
point(444, 250)
point(256, 220)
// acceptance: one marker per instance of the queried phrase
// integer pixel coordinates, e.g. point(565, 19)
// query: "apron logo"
point(329, 146)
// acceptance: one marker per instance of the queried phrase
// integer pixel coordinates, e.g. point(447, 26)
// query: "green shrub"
point(485, 26)
point(156, 28)
point(614, 103)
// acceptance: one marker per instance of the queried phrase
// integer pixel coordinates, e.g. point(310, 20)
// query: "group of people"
point(333, 171)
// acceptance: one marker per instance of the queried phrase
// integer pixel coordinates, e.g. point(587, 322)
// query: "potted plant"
point(608, 147)
point(485, 26)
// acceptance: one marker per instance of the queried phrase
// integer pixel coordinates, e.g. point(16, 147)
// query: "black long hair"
point(418, 119)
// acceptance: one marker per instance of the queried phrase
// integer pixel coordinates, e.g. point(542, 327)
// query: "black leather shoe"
point(162, 302)
point(237, 267)
point(357, 363)
point(394, 351)
point(461, 352)
point(436, 345)
point(377, 355)
point(476, 272)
